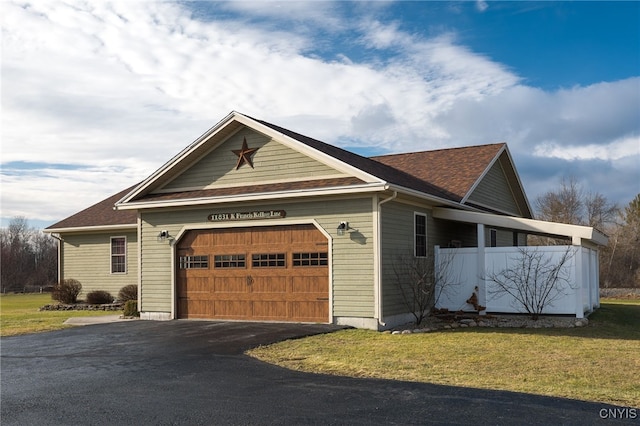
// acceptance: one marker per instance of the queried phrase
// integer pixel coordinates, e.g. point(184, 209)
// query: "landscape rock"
point(452, 321)
point(82, 307)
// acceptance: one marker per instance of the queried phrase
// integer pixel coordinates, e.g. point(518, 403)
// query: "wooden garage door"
point(277, 273)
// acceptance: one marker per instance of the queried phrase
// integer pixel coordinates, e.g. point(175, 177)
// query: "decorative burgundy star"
point(244, 154)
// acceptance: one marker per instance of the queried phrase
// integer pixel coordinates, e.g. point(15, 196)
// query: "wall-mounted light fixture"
point(343, 227)
point(163, 236)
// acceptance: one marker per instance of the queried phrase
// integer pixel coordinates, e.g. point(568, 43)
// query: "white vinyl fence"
point(463, 271)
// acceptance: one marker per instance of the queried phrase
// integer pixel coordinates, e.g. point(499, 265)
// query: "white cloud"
point(119, 88)
point(481, 6)
point(615, 150)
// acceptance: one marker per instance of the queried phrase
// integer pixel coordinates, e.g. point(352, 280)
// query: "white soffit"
point(521, 224)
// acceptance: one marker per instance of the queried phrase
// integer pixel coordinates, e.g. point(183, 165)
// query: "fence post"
point(436, 270)
point(482, 270)
point(578, 281)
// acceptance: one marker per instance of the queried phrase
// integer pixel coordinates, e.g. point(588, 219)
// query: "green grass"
point(599, 363)
point(19, 314)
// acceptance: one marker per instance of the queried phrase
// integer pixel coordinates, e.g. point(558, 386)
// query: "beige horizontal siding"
point(353, 274)
point(272, 161)
point(87, 258)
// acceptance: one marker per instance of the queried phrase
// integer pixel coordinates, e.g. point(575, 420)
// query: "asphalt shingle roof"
point(101, 214)
point(454, 170)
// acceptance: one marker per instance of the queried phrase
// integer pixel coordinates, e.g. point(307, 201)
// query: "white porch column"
point(579, 277)
point(482, 285)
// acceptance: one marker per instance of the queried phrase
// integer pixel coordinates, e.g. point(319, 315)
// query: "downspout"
point(379, 256)
point(60, 248)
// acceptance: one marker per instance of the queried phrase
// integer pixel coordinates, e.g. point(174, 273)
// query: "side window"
point(493, 237)
point(118, 255)
point(420, 232)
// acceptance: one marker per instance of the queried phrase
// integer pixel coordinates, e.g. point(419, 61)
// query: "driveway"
point(195, 373)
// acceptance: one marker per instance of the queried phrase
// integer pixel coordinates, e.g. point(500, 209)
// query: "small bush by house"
point(99, 297)
point(67, 291)
point(131, 308)
point(128, 292)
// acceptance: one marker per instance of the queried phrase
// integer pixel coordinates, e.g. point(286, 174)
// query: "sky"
point(95, 95)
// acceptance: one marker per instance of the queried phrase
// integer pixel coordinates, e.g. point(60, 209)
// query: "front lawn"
point(19, 314)
point(600, 362)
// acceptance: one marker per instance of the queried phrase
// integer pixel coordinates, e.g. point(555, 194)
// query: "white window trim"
point(426, 236)
point(126, 254)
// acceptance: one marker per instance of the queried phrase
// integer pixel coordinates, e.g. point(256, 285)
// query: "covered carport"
point(474, 263)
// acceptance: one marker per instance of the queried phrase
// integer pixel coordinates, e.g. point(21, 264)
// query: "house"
point(255, 222)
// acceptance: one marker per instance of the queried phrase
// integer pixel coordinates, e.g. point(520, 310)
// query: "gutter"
point(379, 256)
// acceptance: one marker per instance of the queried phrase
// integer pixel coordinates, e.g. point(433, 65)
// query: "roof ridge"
point(438, 150)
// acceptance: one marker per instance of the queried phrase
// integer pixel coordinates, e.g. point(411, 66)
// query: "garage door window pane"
point(268, 260)
point(229, 261)
point(310, 259)
point(194, 262)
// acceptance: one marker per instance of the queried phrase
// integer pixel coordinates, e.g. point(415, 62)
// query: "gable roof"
point(446, 176)
point(99, 215)
point(460, 170)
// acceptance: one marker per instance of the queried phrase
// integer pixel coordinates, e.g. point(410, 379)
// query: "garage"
point(271, 273)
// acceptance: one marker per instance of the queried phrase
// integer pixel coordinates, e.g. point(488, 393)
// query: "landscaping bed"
point(82, 307)
point(452, 320)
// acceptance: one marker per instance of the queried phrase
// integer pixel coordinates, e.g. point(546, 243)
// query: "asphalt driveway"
point(195, 373)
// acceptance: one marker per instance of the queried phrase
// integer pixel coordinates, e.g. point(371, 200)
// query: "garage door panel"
point(193, 286)
point(230, 237)
point(269, 284)
point(226, 284)
point(270, 310)
point(310, 311)
point(193, 308)
point(307, 235)
point(195, 240)
point(310, 284)
point(271, 236)
point(231, 309)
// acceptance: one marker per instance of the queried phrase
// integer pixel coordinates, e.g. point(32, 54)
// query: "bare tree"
point(622, 256)
point(533, 281)
point(28, 257)
point(599, 211)
point(564, 205)
point(421, 282)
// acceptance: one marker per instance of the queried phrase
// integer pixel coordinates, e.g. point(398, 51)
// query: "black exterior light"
point(163, 235)
point(344, 226)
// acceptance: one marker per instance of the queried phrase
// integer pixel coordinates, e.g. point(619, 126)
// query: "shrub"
point(131, 308)
point(67, 291)
point(128, 292)
point(99, 297)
